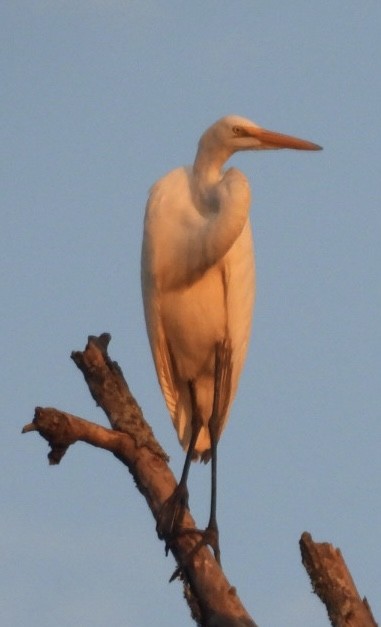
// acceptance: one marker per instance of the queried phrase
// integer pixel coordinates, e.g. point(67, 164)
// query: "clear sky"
point(99, 99)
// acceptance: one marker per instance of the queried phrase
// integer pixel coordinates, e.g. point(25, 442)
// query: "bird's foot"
point(209, 537)
point(170, 517)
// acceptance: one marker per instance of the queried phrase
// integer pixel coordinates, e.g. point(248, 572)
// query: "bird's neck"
point(207, 167)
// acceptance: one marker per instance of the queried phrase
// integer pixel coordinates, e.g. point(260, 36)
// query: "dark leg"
point(221, 397)
point(222, 387)
point(211, 535)
point(196, 428)
point(173, 510)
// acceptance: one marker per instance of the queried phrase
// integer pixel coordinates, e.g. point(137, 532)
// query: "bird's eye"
point(237, 131)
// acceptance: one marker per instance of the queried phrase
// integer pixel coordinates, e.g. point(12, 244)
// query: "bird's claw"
point(209, 537)
point(170, 517)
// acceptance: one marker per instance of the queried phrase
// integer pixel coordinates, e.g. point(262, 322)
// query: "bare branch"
point(333, 583)
point(212, 600)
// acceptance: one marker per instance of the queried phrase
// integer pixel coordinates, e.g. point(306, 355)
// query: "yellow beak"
point(272, 139)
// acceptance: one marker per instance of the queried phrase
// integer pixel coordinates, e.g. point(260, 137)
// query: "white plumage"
point(198, 277)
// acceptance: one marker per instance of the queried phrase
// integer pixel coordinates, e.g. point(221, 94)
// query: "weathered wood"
point(211, 598)
point(333, 583)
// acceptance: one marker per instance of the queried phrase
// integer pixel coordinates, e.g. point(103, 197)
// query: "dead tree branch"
point(212, 600)
point(333, 583)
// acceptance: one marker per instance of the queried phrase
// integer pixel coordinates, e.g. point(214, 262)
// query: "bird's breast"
point(194, 319)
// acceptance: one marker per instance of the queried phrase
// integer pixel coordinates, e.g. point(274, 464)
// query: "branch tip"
point(56, 454)
point(29, 427)
point(333, 583)
point(102, 341)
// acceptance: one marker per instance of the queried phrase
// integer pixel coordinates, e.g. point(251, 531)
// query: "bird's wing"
point(240, 277)
point(159, 346)
point(155, 264)
point(175, 391)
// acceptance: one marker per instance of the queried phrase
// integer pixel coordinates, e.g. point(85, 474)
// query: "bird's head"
point(233, 133)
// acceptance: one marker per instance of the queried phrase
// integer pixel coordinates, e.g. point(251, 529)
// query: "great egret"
point(198, 284)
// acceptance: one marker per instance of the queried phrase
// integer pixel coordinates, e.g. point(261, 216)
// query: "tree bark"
point(333, 583)
point(212, 600)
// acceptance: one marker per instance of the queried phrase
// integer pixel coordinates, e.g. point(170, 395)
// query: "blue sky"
point(99, 99)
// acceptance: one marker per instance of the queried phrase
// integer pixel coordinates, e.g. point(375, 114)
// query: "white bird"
point(198, 284)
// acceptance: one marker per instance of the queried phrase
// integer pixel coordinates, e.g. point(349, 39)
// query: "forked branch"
point(212, 600)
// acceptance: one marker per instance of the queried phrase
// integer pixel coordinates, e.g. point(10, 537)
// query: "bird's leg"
point(221, 396)
point(211, 534)
point(222, 388)
point(170, 517)
point(196, 428)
